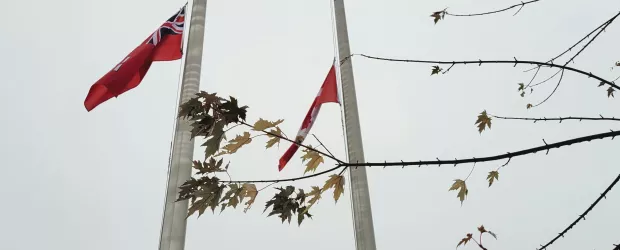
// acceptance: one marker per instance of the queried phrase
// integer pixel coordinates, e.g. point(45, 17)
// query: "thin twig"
point(323, 145)
point(496, 11)
point(578, 42)
point(583, 215)
point(287, 179)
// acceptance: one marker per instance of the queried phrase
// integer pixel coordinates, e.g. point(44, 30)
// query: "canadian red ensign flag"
point(327, 93)
point(165, 44)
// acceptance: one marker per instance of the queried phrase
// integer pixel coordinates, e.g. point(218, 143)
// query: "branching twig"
point(582, 216)
point(558, 119)
point(496, 11)
point(287, 179)
point(480, 62)
point(444, 162)
point(297, 143)
point(578, 42)
point(323, 145)
point(546, 147)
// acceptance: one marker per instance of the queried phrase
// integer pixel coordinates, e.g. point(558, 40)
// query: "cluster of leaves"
point(286, 206)
point(478, 242)
point(211, 117)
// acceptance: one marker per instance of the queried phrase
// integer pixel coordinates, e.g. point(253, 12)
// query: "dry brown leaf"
point(249, 191)
point(337, 182)
point(273, 138)
point(236, 143)
point(262, 124)
point(493, 175)
point(483, 121)
point(461, 187)
point(465, 240)
point(314, 160)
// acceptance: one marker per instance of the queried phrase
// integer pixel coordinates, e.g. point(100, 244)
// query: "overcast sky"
point(73, 180)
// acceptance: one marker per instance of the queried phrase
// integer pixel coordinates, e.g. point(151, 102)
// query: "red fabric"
point(327, 93)
point(165, 44)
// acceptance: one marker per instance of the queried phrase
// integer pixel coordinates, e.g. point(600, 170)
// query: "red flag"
point(165, 44)
point(327, 93)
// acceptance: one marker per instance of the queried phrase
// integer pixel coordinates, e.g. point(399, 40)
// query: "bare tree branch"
point(455, 162)
point(480, 62)
point(583, 215)
point(545, 119)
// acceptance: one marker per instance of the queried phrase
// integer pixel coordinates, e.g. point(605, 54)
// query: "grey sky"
point(73, 180)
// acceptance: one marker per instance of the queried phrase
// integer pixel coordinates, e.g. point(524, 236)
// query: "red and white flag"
point(327, 93)
point(165, 44)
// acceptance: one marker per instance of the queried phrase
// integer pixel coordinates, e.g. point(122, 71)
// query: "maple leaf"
point(483, 120)
point(207, 196)
point(337, 182)
point(465, 240)
point(261, 124)
point(213, 143)
point(521, 87)
point(601, 84)
point(481, 229)
point(249, 191)
point(236, 143)
point(529, 105)
point(493, 175)
point(314, 160)
point(436, 70)
point(210, 166)
point(610, 92)
point(316, 196)
point(438, 15)
point(232, 112)
point(233, 196)
point(618, 63)
point(461, 187)
point(274, 139)
point(522, 94)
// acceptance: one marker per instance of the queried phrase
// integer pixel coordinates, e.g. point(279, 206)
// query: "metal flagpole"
point(360, 198)
point(174, 220)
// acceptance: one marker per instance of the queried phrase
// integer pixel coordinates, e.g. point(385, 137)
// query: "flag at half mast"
point(328, 93)
point(165, 44)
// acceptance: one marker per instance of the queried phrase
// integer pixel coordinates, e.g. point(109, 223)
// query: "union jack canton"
point(174, 25)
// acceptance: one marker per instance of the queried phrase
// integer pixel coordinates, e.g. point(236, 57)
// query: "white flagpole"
point(174, 220)
point(360, 197)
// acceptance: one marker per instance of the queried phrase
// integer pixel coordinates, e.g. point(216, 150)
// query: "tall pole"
point(360, 197)
point(174, 220)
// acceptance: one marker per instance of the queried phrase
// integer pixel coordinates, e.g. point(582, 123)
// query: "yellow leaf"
point(236, 143)
point(483, 120)
point(261, 124)
point(274, 139)
point(337, 182)
point(314, 160)
point(465, 240)
point(461, 187)
point(249, 191)
point(316, 196)
point(493, 175)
